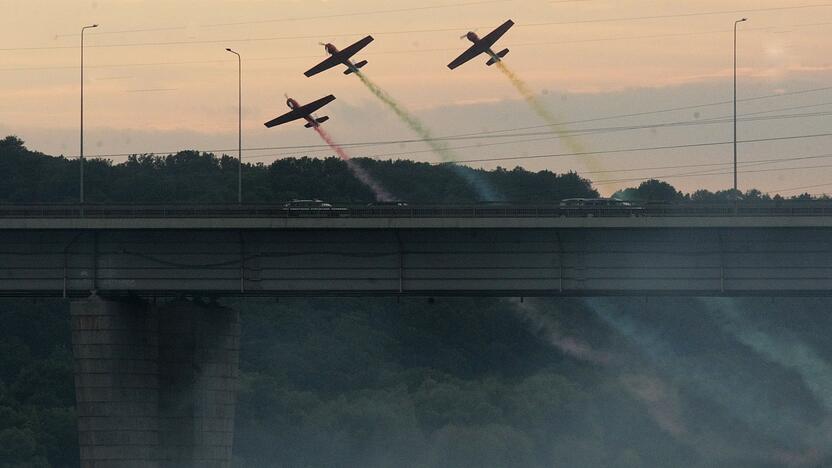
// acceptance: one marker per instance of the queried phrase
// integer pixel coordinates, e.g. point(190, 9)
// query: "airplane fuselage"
point(332, 50)
point(473, 37)
point(309, 118)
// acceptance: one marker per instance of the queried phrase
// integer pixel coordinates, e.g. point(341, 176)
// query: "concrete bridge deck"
point(497, 251)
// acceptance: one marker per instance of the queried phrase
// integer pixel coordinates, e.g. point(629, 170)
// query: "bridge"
point(501, 251)
point(156, 381)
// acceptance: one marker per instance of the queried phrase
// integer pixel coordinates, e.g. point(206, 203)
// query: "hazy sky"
point(158, 79)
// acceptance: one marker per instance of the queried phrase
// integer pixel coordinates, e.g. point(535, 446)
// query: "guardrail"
point(278, 211)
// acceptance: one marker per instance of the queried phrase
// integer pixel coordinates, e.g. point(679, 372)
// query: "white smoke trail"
point(661, 398)
point(791, 353)
point(741, 398)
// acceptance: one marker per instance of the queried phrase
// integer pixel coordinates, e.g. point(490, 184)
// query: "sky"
point(158, 79)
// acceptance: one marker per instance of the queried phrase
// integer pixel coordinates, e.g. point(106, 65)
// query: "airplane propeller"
point(465, 36)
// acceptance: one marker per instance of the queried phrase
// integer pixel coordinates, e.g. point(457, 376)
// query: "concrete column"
point(116, 350)
point(155, 386)
point(199, 368)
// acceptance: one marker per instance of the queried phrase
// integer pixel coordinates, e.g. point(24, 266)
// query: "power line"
point(551, 136)
point(631, 150)
point(673, 109)
point(290, 19)
point(679, 15)
point(486, 135)
point(386, 52)
point(414, 31)
point(707, 173)
point(753, 162)
point(793, 189)
point(493, 132)
point(361, 13)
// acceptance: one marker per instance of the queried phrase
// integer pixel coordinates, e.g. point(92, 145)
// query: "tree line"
point(196, 177)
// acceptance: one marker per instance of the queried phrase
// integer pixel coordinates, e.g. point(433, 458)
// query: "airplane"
point(302, 112)
point(341, 57)
point(483, 46)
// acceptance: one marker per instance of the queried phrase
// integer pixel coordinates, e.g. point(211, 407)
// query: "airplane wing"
point(300, 112)
point(484, 44)
point(340, 57)
point(469, 54)
point(330, 62)
point(355, 48)
point(285, 118)
point(310, 108)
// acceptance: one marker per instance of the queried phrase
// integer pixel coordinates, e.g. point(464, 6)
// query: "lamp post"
point(81, 158)
point(239, 126)
point(736, 195)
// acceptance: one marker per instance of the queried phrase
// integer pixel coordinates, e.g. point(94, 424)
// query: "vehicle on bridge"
point(483, 46)
point(316, 207)
point(388, 204)
point(599, 206)
point(341, 57)
point(302, 112)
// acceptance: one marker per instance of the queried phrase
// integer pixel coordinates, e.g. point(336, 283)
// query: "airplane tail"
point(317, 121)
point(500, 55)
point(358, 65)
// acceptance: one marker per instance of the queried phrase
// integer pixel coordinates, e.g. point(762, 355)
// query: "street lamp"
point(81, 158)
point(239, 126)
point(735, 103)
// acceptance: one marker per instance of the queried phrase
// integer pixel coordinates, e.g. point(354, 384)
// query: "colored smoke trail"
point(661, 402)
point(791, 353)
point(482, 187)
point(661, 396)
point(571, 346)
point(716, 382)
point(380, 193)
point(531, 99)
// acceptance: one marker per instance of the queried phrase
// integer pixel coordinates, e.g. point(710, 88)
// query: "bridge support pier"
point(155, 386)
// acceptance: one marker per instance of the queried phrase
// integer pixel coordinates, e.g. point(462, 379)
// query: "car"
point(388, 204)
point(311, 206)
point(592, 206)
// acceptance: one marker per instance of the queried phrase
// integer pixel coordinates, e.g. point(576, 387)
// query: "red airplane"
point(483, 46)
point(302, 112)
point(341, 57)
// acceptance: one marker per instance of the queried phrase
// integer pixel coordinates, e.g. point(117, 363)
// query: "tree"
point(652, 191)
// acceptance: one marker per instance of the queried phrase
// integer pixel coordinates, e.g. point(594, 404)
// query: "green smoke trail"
point(543, 113)
point(483, 189)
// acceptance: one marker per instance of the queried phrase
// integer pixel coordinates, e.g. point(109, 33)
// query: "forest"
point(450, 382)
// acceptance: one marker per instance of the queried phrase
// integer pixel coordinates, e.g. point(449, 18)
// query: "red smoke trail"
point(357, 171)
point(661, 401)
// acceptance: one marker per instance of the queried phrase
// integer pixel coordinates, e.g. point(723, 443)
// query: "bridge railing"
point(434, 211)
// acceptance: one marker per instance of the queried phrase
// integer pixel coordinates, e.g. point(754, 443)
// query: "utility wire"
point(291, 19)
point(707, 173)
point(631, 150)
point(415, 31)
point(550, 136)
point(360, 13)
point(385, 52)
point(492, 132)
point(794, 189)
point(680, 15)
